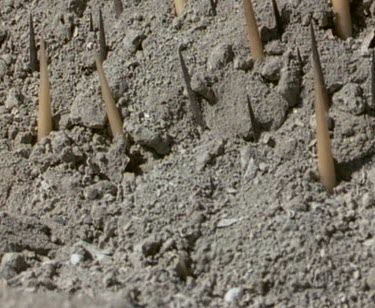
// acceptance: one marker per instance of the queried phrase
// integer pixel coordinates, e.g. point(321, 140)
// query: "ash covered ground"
point(176, 214)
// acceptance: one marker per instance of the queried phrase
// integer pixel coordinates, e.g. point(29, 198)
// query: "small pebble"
point(12, 263)
point(200, 83)
point(349, 99)
point(275, 48)
point(149, 246)
point(150, 138)
point(221, 55)
point(271, 69)
point(133, 41)
point(76, 259)
point(251, 170)
point(13, 99)
point(242, 63)
point(227, 222)
point(233, 295)
point(368, 200)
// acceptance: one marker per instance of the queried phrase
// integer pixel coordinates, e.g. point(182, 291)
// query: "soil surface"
point(197, 206)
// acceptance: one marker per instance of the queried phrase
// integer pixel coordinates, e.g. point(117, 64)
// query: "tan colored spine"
point(319, 82)
point(179, 6)
point(45, 112)
point(343, 23)
point(256, 45)
point(113, 114)
point(325, 159)
point(326, 164)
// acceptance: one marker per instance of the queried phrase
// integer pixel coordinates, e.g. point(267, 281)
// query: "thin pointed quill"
point(45, 111)
point(319, 82)
point(256, 45)
point(278, 20)
point(179, 6)
point(343, 21)
point(326, 164)
point(194, 104)
point(114, 117)
point(103, 48)
point(34, 64)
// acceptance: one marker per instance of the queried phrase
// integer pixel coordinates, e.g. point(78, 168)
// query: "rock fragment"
point(208, 152)
point(149, 246)
point(13, 99)
point(12, 264)
point(201, 84)
point(349, 98)
point(101, 255)
point(183, 266)
point(243, 63)
point(87, 108)
point(233, 295)
point(150, 138)
point(98, 190)
point(289, 85)
point(63, 26)
point(271, 69)
point(220, 56)
point(24, 138)
point(76, 258)
point(23, 233)
point(77, 6)
point(368, 200)
point(133, 41)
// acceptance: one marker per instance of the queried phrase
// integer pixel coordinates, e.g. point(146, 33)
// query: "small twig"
point(343, 21)
point(45, 112)
point(325, 159)
point(113, 114)
point(194, 104)
point(278, 20)
point(256, 44)
point(117, 4)
point(34, 64)
point(103, 49)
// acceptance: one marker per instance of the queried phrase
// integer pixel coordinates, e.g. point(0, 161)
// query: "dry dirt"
point(223, 214)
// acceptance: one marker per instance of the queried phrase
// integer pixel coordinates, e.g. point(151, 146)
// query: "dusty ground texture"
point(176, 214)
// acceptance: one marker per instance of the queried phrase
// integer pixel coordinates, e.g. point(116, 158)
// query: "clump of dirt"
point(178, 214)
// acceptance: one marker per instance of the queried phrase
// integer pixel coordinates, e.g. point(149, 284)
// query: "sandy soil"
point(184, 213)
